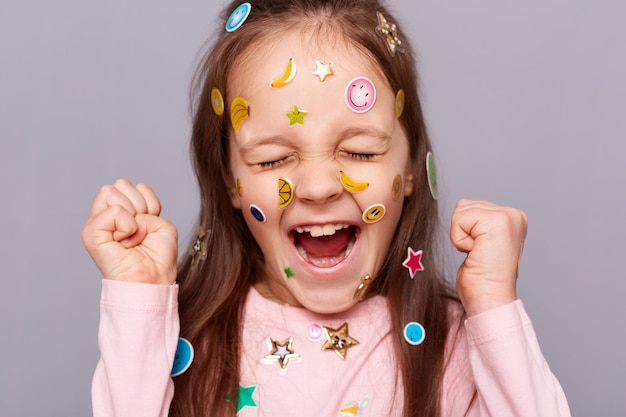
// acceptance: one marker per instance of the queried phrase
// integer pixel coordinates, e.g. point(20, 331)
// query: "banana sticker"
point(287, 77)
point(239, 111)
point(353, 186)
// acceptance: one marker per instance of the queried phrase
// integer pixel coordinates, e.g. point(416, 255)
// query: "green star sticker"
point(296, 116)
point(289, 273)
point(244, 397)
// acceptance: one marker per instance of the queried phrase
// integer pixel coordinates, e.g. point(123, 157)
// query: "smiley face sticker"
point(374, 213)
point(414, 333)
point(360, 95)
point(238, 16)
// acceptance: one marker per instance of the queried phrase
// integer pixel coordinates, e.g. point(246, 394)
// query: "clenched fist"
point(492, 237)
point(127, 239)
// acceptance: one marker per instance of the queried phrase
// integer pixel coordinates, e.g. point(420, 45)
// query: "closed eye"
point(361, 156)
point(272, 164)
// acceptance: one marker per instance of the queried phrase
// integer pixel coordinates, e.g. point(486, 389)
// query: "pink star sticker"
point(413, 261)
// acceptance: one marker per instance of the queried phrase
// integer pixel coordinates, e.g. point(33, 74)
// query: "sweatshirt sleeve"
point(137, 338)
point(511, 375)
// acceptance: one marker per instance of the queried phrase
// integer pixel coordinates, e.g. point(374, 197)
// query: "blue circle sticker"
point(237, 17)
point(414, 333)
point(257, 213)
point(183, 357)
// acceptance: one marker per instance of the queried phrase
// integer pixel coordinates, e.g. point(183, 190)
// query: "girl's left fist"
point(492, 236)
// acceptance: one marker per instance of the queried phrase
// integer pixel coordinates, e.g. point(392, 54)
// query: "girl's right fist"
point(127, 239)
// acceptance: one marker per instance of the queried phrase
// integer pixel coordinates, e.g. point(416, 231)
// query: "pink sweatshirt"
point(496, 368)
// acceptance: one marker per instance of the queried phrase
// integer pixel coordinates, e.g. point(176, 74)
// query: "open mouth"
point(324, 245)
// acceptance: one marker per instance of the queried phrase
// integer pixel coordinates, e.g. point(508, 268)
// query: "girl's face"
point(321, 167)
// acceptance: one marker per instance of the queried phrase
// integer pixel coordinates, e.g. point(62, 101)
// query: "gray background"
point(525, 104)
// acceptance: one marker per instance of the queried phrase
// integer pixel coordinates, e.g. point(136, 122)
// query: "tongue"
point(333, 245)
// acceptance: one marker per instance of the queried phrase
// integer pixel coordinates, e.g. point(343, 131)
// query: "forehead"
point(323, 98)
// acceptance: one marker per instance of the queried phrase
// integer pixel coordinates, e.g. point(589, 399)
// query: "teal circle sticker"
point(183, 357)
point(414, 333)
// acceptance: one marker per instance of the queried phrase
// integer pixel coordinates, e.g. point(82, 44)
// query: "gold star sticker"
point(198, 249)
point(323, 70)
point(296, 116)
point(389, 32)
point(339, 340)
point(282, 352)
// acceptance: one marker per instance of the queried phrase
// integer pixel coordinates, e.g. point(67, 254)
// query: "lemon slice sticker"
point(285, 192)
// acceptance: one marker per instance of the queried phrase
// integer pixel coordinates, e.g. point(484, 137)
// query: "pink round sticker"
point(360, 95)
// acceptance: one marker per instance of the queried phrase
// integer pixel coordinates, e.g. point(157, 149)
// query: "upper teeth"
point(321, 230)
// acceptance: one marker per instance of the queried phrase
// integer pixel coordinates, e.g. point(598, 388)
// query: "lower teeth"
point(325, 261)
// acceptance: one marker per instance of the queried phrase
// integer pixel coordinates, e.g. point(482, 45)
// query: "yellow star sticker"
point(339, 340)
point(323, 70)
point(282, 352)
point(389, 32)
point(296, 116)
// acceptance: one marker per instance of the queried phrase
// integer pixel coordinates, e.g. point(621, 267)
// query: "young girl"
point(312, 287)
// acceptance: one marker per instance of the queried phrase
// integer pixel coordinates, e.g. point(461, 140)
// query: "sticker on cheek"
point(285, 192)
point(399, 103)
point(374, 213)
point(360, 95)
point(239, 112)
point(352, 186)
point(414, 333)
point(217, 101)
point(257, 213)
point(396, 187)
point(431, 171)
point(238, 17)
point(239, 188)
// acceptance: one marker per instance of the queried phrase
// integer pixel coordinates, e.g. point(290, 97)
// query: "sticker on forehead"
point(217, 101)
point(238, 16)
point(396, 187)
point(239, 111)
point(360, 95)
point(296, 116)
point(374, 213)
point(399, 103)
point(288, 75)
point(323, 70)
point(431, 171)
point(285, 192)
point(257, 213)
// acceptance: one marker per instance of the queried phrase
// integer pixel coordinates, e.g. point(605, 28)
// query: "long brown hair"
point(213, 291)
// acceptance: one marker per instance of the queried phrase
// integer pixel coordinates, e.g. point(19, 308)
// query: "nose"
point(319, 184)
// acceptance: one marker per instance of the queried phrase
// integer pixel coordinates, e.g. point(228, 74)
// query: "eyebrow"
point(344, 135)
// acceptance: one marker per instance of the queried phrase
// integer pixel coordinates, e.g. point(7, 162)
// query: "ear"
point(235, 190)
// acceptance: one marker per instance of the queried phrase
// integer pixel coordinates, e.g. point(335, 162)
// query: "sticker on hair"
point(389, 32)
point(285, 192)
point(396, 187)
point(414, 333)
point(197, 250)
point(431, 172)
point(374, 213)
point(413, 261)
point(360, 95)
point(399, 106)
point(257, 213)
point(288, 75)
point(352, 186)
point(323, 70)
point(238, 17)
point(217, 101)
point(239, 112)
point(296, 116)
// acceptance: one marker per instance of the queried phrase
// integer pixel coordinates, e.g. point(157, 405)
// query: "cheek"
point(382, 198)
point(259, 199)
